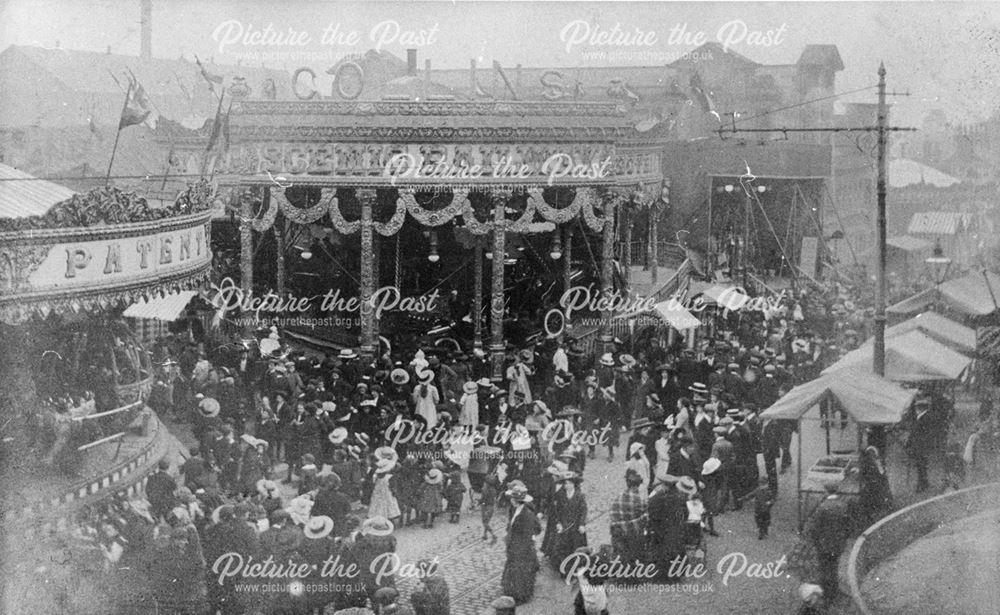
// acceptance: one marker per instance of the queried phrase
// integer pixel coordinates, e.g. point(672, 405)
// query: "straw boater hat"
point(399, 376)
point(607, 359)
point(641, 422)
point(338, 435)
point(266, 487)
point(208, 407)
point(484, 382)
point(376, 526)
point(317, 527)
point(686, 485)
point(347, 353)
point(433, 477)
point(470, 388)
point(710, 466)
point(698, 389)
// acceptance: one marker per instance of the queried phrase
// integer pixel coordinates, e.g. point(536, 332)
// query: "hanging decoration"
point(266, 219)
point(390, 228)
point(339, 222)
point(589, 215)
point(553, 214)
point(302, 215)
point(428, 217)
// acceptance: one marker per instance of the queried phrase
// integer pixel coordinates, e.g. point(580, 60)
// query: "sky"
point(945, 54)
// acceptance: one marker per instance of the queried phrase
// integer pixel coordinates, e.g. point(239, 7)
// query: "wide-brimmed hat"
point(386, 452)
point(627, 360)
point(399, 376)
point(568, 475)
point(347, 353)
point(266, 487)
point(383, 466)
point(377, 526)
point(338, 435)
point(317, 527)
point(607, 360)
point(484, 382)
point(710, 466)
point(540, 407)
point(720, 430)
point(425, 377)
point(686, 485)
point(635, 447)
point(557, 467)
point(641, 422)
point(518, 493)
point(568, 411)
point(299, 509)
point(208, 407)
point(470, 388)
point(526, 355)
point(698, 389)
point(433, 476)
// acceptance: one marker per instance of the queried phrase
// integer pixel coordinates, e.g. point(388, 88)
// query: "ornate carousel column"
point(477, 295)
point(368, 339)
point(246, 242)
point(498, 345)
point(279, 246)
point(607, 269)
point(627, 220)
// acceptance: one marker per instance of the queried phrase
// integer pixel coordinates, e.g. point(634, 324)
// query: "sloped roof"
point(937, 223)
point(822, 55)
point(867, 398)
point(168, 308)
point(940, 328)
point(909, 357)
point(22, 195)
point(175, 87)
point(909, 243)
point(903, 172)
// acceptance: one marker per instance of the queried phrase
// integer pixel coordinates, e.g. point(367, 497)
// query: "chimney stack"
point(146, 26)
point(411, 62)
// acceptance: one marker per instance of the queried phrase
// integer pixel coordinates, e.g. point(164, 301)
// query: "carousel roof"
point(23, 195)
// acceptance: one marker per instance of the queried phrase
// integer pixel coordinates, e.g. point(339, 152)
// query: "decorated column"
point(477, 295)
point(279, 246)
point(626, 257)
point(568, 258)
point(497, 343)
point(607, 268)
point(246, 244)
point(368, 340)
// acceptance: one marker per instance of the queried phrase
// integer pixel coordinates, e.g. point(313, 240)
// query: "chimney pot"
point(411, 62)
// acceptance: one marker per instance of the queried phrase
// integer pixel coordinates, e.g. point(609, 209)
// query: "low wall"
point(893, 533)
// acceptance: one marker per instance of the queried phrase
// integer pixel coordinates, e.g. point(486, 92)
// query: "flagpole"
point(118, 134)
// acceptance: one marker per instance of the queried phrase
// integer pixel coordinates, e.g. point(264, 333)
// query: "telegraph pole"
point(882, 131)
point(878, 356)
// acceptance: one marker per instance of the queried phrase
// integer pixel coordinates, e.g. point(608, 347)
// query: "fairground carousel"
point(73, 374)
point(413, 200)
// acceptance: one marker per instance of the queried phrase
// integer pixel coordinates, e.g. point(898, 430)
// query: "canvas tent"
point(912, 356)
point(942, 329)
point(865, 398)
point(672, 312)
point(974, 295)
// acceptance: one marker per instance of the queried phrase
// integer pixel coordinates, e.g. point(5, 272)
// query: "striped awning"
point(23, 195)
point(168, 308)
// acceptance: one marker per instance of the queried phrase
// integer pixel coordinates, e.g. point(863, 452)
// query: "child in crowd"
point(488, 502)
point(763, 500)
point(454, 493)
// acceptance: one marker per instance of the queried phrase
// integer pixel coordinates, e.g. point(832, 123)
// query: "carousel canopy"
point(909, 357)
point(867, 398)
point(972, 295)
point(23, 195)
point(168, 308)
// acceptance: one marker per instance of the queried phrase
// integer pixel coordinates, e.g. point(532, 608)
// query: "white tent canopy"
point(168, 308)
point(672, 312)
point(867, 398)
point(910, 357)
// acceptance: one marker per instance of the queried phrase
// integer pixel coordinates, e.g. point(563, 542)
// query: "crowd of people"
point(422, 435)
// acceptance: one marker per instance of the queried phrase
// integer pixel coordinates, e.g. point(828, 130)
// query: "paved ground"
point(473, 567)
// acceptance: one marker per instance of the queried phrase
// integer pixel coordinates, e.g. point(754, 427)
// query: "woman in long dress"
point(383, 502)
point(519, 571)
point(570, 513)
point(468, 415)
point(426, 398)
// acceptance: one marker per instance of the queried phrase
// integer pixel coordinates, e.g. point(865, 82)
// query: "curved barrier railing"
point(893, 533)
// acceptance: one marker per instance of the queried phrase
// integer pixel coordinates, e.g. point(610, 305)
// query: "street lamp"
point(939, 263)
point(556, 252)
point(433, 256)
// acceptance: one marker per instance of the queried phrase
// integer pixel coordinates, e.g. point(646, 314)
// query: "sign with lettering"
point(114, 261)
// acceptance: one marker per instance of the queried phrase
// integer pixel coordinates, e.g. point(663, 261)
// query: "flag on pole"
point(138, 109)
point(701, 95)
point(212, 79)
point(213, 137)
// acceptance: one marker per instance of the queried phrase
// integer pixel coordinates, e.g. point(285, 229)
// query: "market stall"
point(845, 401)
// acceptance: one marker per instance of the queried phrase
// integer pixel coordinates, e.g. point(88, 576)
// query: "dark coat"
point(830, 526)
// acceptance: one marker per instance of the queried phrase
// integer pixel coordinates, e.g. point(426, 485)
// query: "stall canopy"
point(729, 297)
point(672, 312)
point(944, 330)
point(972, 294)
point(168, 308)
point(909, 357)
point(867, 398)
point(23, 195)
